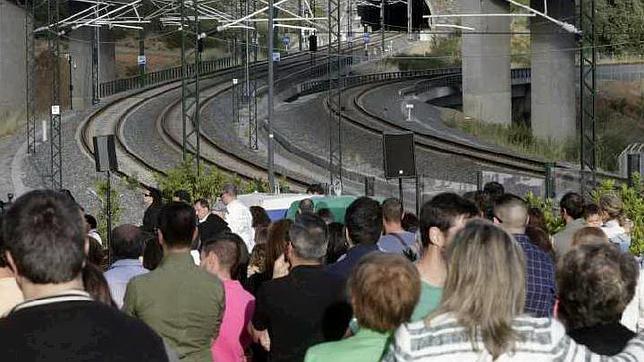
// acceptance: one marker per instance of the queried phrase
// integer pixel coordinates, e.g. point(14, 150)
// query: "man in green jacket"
point(181, 302)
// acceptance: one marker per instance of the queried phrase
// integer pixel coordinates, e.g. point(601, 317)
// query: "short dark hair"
point(392, 210)
point(326, 215)
point(441, 212)
point(183, 195)
point(306, 206)
point(595, 282)
point(308, 236)
point(227, 251)
point(127, 242)
point(45, 235)
point(3, 261)
point(177, 223)
point(337, 245)
point(91, 221)
point(573, 204)
point(315, 189)
point(363, 220)
point(203, 203)
point(260, 216)
point(591, 209)
point(494, 189)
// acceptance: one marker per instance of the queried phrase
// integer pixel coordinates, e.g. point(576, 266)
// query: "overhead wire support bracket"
point(587, 95)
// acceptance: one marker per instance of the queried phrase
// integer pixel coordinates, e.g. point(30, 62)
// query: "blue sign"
point(286, 40)
point(366, 37)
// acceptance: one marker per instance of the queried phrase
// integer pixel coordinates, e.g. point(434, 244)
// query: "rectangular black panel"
point(399, 157)
point(105, 153)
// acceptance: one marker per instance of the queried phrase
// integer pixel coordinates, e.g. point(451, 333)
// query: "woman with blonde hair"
point(480, 319)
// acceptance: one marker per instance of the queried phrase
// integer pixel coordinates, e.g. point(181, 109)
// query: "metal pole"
point(54, 111)
point(71, 84)
point(409, 19)
point(30, 63)
point(271, 171)
point(382, 26)
point(419, 195)
point(142, 54)
point(400, 191)
point(300, 12)
point(108, 213)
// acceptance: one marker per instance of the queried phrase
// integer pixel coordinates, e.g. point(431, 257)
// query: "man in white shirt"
point(238, 216)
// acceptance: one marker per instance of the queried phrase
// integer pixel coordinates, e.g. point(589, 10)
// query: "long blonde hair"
point(485, 286)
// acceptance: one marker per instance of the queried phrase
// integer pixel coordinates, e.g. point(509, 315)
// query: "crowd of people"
point(476, 277)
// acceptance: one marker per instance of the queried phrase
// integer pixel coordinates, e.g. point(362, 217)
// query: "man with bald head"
point(511, 213)
point(127, 247)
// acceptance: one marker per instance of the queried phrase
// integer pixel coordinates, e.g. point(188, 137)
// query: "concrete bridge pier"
point(12, 64)
point(487, 89)
point(80, 48)
point(553, 72)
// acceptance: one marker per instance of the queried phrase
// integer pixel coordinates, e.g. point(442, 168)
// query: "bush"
point(554, 222)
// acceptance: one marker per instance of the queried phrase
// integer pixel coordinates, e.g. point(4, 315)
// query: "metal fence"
point(170, 74)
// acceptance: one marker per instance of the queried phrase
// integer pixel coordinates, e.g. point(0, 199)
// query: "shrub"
point(554, 222)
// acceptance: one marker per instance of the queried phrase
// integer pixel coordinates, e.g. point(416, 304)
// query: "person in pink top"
point(219, 257)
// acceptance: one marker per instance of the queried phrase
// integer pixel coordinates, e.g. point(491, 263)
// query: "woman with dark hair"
point(96, 285)
point(153, 200)
point(260, 217)
point(541, 239)
point(537, 218)
point(338, 245)
point(152, 253)
point(480, 315)
point(276, 243)
point(410, 222)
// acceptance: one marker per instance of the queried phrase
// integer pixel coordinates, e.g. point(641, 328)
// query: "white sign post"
point(409, 108)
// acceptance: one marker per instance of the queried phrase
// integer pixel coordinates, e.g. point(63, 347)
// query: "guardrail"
point(440, 77)
point(125, 84)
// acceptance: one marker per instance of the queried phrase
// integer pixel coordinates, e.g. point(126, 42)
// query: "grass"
point(516, 138)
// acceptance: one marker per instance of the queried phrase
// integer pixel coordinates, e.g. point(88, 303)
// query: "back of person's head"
point(511, 212)
point(260, 217)
point(337, 242)
point(44, 233)
point(306, 206)
point(315, 189)
point(410, 222)
point(363, 220)
point(182, 196)
point(480, 199)
point(611, 205)
point(442, 212)
point(225, 249)
point(230, 190)
point(572, 204)
point(256, 262)
point(96, 285)
point(157, 196)
point(91, 221)
point(177, 223)
point(326, 215)
point(494, 190)
point(589, 235)
point(593, 215)
point(96, 254)
point(68, 194)
point(537, 219)
point(261, 234)
point(127, 242)
point(595, 283)
point(392, 210)
point(203, 203)
point(309, 237)
point(485, 307)
point(152, 253)
point(540, 238)
point(278, 239)
point(384, 290)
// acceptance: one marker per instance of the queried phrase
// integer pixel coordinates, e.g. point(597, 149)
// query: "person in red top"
point(220, 256)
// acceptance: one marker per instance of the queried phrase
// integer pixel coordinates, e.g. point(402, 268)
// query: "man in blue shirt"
point(395, 239)
point(363, 220)
point(127, 247)
point(511, 212)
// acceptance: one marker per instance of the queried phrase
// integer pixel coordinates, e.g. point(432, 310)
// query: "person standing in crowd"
point(127, 248)
point(363, 220)
point(384, 290)
point(511, 213)
point(180, 301)
point(306, 206)
point(571, 208)
point(276, 244)
point(260, 223)
point(592, 215)
point(182, 196)
point(337, 242)
point(59, 321)
point(219, 257)
point(239, 218)
point(210, 224)
point(589, 235)
point(395, 239)
point(10, 294)
point(307, 306)
point(92, 225)
point(596, 281)
point(612, 211)
point(480, 319)
point(153, 201)
point(440, 219)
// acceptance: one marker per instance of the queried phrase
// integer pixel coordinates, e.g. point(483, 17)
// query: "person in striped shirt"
point(480, 317)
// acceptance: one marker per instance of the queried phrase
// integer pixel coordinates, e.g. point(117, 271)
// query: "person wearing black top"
point(59, 321)
point(153, 200)
point(210, 225)
point(595, 283)
point(306, 307)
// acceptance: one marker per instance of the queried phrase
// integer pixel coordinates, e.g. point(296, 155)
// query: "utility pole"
point(142, 60)
point(56, 175)
point(95, 63)
point(30, 64)
point(409, 19)
point(382, 26)
point(587, 91)
point(335, 90)
point(271, 166)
